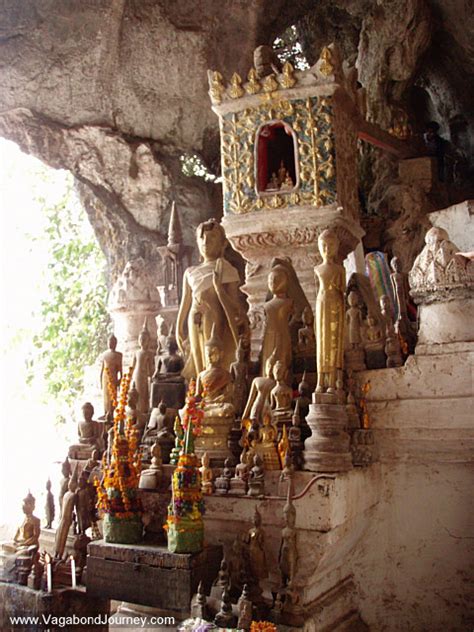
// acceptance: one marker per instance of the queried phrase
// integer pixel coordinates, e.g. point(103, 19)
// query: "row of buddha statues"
point(212, 345)
point(236, 595)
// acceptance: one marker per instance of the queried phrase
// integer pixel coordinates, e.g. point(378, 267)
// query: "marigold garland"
point(117, 492)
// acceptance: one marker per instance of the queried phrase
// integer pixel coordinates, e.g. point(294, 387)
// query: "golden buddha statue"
point(211, 296)
point(329, 314)
point(25, 542)
point(29, 532)
point(278, 311)
point(281, 396)
point(266, 447)
point(214, 385)
point(259, 396)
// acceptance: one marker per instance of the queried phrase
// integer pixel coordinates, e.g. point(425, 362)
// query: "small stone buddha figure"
point(255, 541)
point(295, 439)
point(239, 373)
point(170, 362)
point(306, 336)
point(278, 311)
point(159, 429)
point(91, 435)
point(392, 342)
point(143, 368)
point(211, 297)
point(273, 183)
point(259, 397)
point(267, 445)
point(168, 384)
point(162, 335)
point(179, 436)
point(281, 397)
point(110, 374)
point(207, 486)
point(67, 511)
point(354, 353)
point(401, 292)
point(222, 483)
point(238, 483)
point(49, 509)
point(93, 467)
point(330, 307)
point(256, 478)
point(282, 173)
point(151, 478)
point(84, 506)
point(64, 484)
point(288, 555)
point(214, 383)
point(287, 183)
point(374, 344)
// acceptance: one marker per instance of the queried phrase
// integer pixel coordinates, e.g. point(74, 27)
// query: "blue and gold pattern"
point(312, 121)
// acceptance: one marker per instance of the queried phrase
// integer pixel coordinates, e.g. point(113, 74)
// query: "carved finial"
point(326, 67)
point(236, 91)
point(253, 86)
point(287, 79)
point(270, 84)
point(216, 85)
point(175, 236)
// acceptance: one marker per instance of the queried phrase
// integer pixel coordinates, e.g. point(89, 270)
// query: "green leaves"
point(73, 314)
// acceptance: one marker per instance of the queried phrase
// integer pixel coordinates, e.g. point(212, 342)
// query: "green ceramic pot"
point(122, 530)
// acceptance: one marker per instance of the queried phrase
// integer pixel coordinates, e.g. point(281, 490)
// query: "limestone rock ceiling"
point(116, 90)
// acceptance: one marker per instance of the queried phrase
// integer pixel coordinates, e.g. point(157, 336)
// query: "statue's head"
point(278, 280)
point(163, 328)
point(171, 344)
point(279, 371)
point(303, 386)
point(66, 468)
point(257, 518)
point(353, 299)
point(211, 239)
point(162, 407)
point(112, 342)
point(385, 303)
point(267, 419)
point(205, 460)
point(396, 264)
point(133, 396)
point(144, 338)
point(29, 504)
point(240, 351)
point(328, 244)
point(48, 485)
point(95, 455)
point(435, 236)
point(88, 411)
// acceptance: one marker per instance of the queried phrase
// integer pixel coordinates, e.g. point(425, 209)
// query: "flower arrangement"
point(184, 524)
point(117, 491)
point(193, 409)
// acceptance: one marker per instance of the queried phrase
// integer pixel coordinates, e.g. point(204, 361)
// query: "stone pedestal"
point(150, 575)
point(53, 609)
point(214, 439)
point(327, 449)
point(172, 393)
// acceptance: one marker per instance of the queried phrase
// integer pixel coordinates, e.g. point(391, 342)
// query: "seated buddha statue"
point(214, 384)
point(26, 540)
point(91, 435)
point(167, 382)
point(281, 397)
point(267, 447)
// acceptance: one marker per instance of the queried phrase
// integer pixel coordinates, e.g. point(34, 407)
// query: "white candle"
point(49, 573)
point(73, 571)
